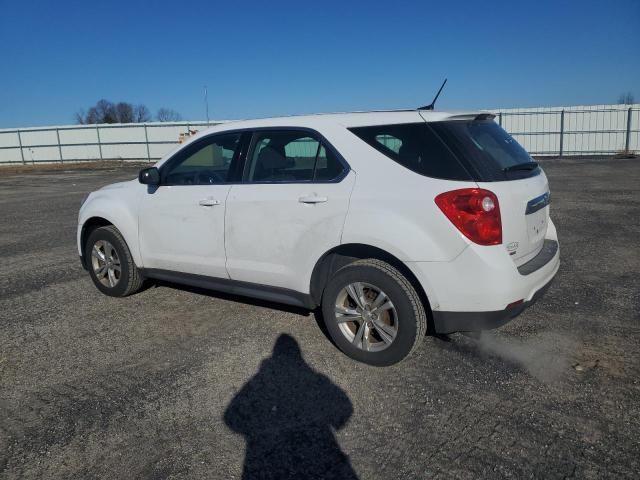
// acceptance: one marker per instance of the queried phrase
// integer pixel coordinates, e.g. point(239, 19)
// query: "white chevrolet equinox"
point(392, 222)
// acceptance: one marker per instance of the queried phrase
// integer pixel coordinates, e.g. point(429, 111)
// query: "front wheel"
point(110, 263)
point(373, 313)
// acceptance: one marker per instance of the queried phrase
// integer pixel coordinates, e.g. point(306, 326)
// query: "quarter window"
point(416, 147)
point(392, 143)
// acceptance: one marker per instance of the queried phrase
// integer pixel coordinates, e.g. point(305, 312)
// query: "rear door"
point(288, 211)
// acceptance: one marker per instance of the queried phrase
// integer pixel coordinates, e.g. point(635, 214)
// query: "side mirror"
point(149, 176)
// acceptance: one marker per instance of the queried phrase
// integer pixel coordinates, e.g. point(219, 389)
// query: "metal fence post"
point(59, 146)
point(20, 144)
point(626, 141)
point(99, 144)
point(561, 132)
point(500, 118)
point(146, 139)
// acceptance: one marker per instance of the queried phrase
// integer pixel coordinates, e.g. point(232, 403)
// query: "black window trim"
point(239, 161)
point(322, 140)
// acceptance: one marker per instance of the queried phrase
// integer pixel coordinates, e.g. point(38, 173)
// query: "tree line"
point(105, 111)
point(626, 99)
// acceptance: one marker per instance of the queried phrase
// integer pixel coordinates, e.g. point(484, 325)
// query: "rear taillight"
point(475, 212)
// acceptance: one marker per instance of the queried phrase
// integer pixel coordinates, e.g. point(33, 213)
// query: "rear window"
point(485, 148)
point(415, 146)
point(477, 150)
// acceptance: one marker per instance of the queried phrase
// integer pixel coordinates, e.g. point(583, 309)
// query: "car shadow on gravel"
point(288, 413)
point(231, 297)
point(317, 312)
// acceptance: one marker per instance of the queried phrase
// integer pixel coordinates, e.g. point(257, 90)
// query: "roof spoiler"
point(473, 116)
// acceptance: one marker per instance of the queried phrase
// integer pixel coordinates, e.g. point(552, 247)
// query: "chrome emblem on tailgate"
point(538, 203)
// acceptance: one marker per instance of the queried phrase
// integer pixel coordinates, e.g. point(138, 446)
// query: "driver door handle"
point(209, 202)
point(312, 199)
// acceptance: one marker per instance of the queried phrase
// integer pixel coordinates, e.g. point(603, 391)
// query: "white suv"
point(391, 222)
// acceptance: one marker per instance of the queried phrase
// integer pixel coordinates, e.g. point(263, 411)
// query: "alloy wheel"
point(106, 263)
point(366, 316)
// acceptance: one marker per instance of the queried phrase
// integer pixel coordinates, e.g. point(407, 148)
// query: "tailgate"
point(524, 210)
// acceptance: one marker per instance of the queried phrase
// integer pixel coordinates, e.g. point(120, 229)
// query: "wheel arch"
point(342, 255)
point(87, 227)
point(97, 221)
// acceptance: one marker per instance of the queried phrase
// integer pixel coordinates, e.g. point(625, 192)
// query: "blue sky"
point(272, 58)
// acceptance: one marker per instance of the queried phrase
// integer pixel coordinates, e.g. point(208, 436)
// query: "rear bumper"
point(450, 322)
point(483, 287)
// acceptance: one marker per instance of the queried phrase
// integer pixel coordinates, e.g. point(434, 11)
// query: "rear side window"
point(487, 148)
point(415, 146)
point(291, 156)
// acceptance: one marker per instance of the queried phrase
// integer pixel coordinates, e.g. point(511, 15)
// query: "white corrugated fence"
point(543, 131)
point(576, 130)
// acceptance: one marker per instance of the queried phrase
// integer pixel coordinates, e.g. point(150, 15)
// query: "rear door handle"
point(312, 199)
point(209, 202)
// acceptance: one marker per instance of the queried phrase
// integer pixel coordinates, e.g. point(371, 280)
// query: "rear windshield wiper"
point(521, 166)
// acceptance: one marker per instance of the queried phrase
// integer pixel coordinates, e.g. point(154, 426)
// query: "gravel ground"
point(172, 383)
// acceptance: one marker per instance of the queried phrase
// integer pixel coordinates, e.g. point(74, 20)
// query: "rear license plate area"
point(537, 214)
point(537, 226)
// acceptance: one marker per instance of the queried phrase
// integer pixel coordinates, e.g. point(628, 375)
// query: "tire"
point(110, 244)
point(395, 327)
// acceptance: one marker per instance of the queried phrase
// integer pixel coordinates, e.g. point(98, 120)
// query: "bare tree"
point(124, 112)
point(168, 115)
point(626, 99)
point(141, 114)
point(80, 117)
point(105, 111)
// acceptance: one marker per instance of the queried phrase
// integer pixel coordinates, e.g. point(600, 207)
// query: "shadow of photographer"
point(287, 414)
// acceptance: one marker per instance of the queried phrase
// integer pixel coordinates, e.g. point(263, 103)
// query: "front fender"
point(118, 207)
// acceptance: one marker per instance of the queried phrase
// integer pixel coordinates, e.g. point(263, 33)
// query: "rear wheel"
point(110, 263)
point(373, 313)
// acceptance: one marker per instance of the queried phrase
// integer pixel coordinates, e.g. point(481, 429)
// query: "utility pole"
point(206, 103)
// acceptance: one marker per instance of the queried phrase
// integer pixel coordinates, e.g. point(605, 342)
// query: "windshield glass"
point(485, 145)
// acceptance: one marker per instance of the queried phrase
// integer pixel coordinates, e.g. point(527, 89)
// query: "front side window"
point(206, 163)
point(290, 156)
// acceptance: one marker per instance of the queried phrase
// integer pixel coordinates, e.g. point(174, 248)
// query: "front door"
point(182, 221)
